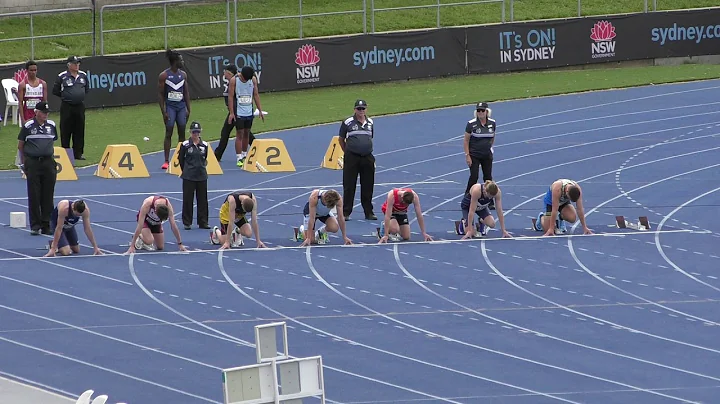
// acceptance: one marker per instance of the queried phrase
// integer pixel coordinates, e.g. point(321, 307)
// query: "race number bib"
point(30, 104)
point(245, 99)
point(175, 96)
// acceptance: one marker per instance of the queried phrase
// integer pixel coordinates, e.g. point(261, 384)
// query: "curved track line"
point(481, 314)
point(74, 327)
point(251, 345)
point(449, 339)
point(380, 350)
point(660, 249)
point(115, 372)
point(596, 276)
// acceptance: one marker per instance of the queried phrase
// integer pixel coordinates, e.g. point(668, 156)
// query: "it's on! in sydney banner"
point(297, 64)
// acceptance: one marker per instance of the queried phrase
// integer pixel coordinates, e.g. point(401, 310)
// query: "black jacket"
point(193, 160)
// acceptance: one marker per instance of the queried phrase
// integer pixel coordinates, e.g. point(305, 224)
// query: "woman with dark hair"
point(244, 87)
point(229, 72)
point(174, 99)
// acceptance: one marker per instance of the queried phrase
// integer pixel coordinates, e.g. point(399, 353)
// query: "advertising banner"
point(579, 41)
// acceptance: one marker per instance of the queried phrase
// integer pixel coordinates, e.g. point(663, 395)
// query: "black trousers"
point(364, 166)
point(41, 176)
point(477, 162)
point(195, 190)
point(227, 129)
point(72, 126)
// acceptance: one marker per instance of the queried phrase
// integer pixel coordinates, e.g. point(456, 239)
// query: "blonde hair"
point(331, 198)
point(491, 187)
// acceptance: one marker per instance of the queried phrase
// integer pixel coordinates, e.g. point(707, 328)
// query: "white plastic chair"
point(100, 399)
point(10, 102)
point(85, 397)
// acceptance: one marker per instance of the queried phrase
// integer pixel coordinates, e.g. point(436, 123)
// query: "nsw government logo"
point(603, 35)
point(307, 59)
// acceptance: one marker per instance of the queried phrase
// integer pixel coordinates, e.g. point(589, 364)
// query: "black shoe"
point(82, 157)
point(204, 226)
point(34, 232)
point(370, 216)
point(187, 227)
point(46, 231)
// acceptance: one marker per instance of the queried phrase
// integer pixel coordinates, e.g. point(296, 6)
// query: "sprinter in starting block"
point(478, 201)
point(149, 234)
point(326, 206)
point(396, 219)
point(559, 209)
point(233, 223)
point(63, 219)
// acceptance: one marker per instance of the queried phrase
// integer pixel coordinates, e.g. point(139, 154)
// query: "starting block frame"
point(276, 378)
point(642, 224)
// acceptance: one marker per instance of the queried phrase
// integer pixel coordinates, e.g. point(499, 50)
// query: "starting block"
point(213, 167)
point(460, 229)
point(334, 156)
point(268, 155)
point(299, 236)
point(392, 236)
point(643, 223)
point(122, 161)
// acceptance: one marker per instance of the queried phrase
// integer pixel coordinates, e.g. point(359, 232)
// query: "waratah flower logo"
point(20, 75)
point(602, 31)
point(307, 55)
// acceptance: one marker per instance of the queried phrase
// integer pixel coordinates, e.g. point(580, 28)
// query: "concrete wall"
point(13, 6)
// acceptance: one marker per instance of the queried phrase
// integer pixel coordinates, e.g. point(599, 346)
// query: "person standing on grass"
point(244, 87)
point(31, 91)
point(230, 72)
point(71, 86)
point(174, 100)
point(193, 163)
point(478, 145)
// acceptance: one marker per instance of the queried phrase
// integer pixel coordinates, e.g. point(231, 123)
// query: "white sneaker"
point(213, 236)
point(140, 245)
point(236, 239)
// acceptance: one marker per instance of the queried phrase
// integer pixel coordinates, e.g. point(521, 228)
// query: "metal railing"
point(436, 6)
point(232, 22)
point(300, 17)
point(165, 25)
point(33, 37)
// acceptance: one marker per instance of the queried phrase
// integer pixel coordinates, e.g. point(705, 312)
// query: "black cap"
point(481, 105)
point(195, 127)
point(360, 103)
point(73, 59)
point(42, 106)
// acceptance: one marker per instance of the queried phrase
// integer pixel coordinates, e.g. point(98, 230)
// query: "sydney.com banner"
point(297, 64)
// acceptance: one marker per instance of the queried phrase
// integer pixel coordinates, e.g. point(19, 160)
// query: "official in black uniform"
point(479, 140)
point(356, 141)
point(35, 144)
point(71, 86)
point(229, 72)
point(193, 163)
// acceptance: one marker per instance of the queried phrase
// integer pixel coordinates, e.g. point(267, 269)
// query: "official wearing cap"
point(478, 145)
point(36, 150)
point(192, 157)
point(71, 86)
point(356, 141)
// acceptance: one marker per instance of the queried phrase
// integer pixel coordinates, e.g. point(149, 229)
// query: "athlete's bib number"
point(244, 99)
point(175, 96)
point(31, 104)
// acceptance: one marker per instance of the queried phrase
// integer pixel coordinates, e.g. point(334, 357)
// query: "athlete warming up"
point(396, 218)
point(234, 223)
point(478, 201)
point(149, 235)
point(320, 206)
point(174, 99)
point(64, 218)
point(559, 209)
